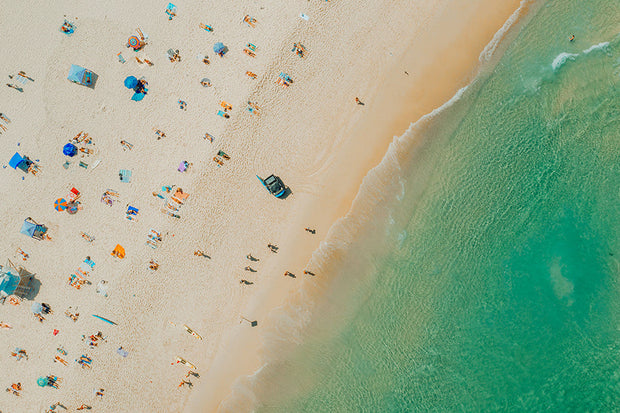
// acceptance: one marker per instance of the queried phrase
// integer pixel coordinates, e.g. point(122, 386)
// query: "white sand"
point(306, 134)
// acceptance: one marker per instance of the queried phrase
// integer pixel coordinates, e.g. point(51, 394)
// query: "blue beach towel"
point(125, 175)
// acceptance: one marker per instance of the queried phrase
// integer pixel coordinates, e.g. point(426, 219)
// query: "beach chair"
point(250, 21)
point(251, 75)
point(170, 213)
point(218, 160)
point(209, 137)
point(227, 106)
point(67, 28)
point(132, 213)
point(222, 114)
point(252, 111)
point(249, 52)
point(251, 47)
point(206, 27)
point(171, 10)
point(124, 175)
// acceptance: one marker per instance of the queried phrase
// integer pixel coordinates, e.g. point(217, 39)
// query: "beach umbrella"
point(138, 96)
point(131, 82)
point(134, 42)
point(72, 208)
point(69, 149)
point(42, 381)
point(218, 47)
point(60, 204)
point(36, 308)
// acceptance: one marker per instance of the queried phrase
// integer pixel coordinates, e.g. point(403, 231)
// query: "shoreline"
point(381, 122)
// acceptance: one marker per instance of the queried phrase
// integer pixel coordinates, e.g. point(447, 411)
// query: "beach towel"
point(122, 352)
point(125, 175)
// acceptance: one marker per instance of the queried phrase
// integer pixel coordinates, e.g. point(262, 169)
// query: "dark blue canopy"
point(219, 47)
point(131, 82)
point(69, 149)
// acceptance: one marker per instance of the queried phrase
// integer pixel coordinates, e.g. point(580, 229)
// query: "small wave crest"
point(560, 59)
point(489, 49)
point(563, 57)
point(600, 46)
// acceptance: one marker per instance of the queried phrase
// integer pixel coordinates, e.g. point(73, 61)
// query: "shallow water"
point(490, 280)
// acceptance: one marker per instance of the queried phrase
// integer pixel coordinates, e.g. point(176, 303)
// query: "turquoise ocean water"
point(487, 279)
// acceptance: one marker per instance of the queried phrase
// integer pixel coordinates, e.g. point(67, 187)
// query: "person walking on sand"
point(309, 273)
point(245, 282)
point(359, 102)
point(84, 406)
point(290, 274)
point(310, 230)
point(251, 258)
point(185, 382)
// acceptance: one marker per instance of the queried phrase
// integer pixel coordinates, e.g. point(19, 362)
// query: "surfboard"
point(192, 332)
point(104, 319)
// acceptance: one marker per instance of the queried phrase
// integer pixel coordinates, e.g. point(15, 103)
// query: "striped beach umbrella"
point(134, 42)
point(60, 204)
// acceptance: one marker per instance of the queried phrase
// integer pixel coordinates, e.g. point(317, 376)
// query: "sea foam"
point(560, 59)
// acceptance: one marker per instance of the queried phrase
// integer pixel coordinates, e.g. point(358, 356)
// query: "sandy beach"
point(401, 61)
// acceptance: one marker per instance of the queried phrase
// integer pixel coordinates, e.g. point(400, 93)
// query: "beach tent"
point(8, 281)
point(17, 282)
point(82, 76)
point(119, 251)
point(21, 162)
point(32, 229)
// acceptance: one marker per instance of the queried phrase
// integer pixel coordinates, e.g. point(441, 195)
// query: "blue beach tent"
point(28, 228)
point(32, 229)
point(21, 162)
point(82, 76)
point(8, 281)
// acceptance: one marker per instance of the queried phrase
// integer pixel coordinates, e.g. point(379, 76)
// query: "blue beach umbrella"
point(36, 308)
point(131, 82)
point(42, 381)
point(69, 149)
point(218, 47)
point(137, 97)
